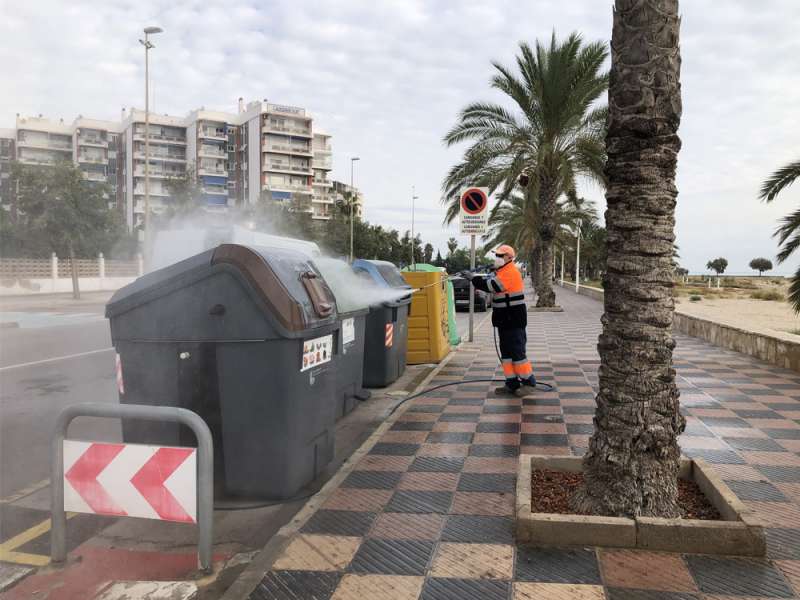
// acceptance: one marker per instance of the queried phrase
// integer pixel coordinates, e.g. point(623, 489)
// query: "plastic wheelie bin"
point(386, 336)
point(348, 289)
point(244, 337)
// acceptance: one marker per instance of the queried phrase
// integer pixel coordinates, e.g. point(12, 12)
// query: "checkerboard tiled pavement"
point(428, 513)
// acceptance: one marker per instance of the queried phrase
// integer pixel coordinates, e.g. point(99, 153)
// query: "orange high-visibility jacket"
point(508, 296)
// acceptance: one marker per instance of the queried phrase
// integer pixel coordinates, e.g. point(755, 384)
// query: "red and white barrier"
point(135, 480)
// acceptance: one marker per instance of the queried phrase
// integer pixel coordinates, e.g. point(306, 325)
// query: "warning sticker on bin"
point(316, 352)
point(348, 331)
point(389, 335)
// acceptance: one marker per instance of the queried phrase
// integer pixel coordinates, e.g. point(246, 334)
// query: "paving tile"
point(724, 421)
point(410, 426)
point(458, 427)
point(392, 557)
point(317, 553)
point(543, 439)
point(424, 480)
point(791, 570)
point(339, 522)
point(462, 417)
point(293, 585)
point(404, 437)
point(549, 450)
point(646, 571)
point(727, 457)
point(780, 474)
point(784, 459)
point(473, 561)
point(478, 529)
point(465, 589)
point(557, 591)
point(355, 586)
point(365, 500)
point(476, 464)
point(547, 428)
point(493, 450)
point(775, 514)
point(405, 526)
point(737, 576)
point(427, 408)
point(783, 543)
point(473, 409)
point(630, 594)
point(557, 565)
point(413, 501)
point(385, 480)
point(449, 437)
point(384, 463)
point(483, 503)
point(756, 490)
point(451, 450)
point(492, 427)
point(761, 444)
point(500, 418)
point(437, 464)
point(418, 417)
point(390, 449)
point(487, 482)
point(503, 439)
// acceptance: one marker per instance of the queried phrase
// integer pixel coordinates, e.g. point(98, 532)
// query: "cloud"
point(388, 78)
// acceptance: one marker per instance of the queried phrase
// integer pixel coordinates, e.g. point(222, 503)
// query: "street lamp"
point(148, 31)
point(352, 201)
point(414, 197)
point(578, 256)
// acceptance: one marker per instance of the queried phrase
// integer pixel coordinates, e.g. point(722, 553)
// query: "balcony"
point(323, 149)
point(94, 177)
point(158, 156)
point(158, 173)
point(287, 187)
point(323, 200)
point(138, 136)
point(294, 130)
point(154, 191)
point(324, 183)
point(211, 152)
point(92, 160)
point(324, 164)
point(212, 171)
point(216, 191)
point(286, 149)
point(212, 134)
point(45, 144)
point(92, 141)
point(37, 160)
point(287, 168)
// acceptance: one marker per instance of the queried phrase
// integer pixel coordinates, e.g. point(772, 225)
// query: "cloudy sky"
point(387, 78)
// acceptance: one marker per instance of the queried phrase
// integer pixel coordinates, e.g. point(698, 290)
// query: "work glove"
point(468, 275)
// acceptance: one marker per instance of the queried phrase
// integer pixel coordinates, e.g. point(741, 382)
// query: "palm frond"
point(779, 180)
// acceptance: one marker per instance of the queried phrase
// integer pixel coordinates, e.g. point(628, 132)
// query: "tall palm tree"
point(552, 135)
point(631, 467)
point(788, 233)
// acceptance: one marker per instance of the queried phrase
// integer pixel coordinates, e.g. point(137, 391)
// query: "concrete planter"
point(738, 533)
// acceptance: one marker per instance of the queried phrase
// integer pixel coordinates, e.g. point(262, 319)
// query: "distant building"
point(264, 151)
point(341, 193)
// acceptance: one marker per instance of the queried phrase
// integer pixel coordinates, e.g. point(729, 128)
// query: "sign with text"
point(474, 210)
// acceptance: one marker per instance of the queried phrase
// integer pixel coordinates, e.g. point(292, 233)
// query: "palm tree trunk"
point(547, 234)
point(536, 269)
point(631, 467)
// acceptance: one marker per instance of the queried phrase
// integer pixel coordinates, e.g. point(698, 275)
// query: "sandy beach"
point(768, 317)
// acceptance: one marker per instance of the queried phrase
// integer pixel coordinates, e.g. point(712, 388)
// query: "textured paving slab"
point(428, 512)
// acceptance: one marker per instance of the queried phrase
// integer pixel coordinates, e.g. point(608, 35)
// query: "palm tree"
point(553, 135)
point(788, 233)
point(631, 467)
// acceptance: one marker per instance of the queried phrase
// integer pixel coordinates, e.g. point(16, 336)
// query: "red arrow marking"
point(149, 480)
point(83, 477)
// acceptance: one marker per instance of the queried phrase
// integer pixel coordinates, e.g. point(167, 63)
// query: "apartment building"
point(7, 154)
point(264, 151)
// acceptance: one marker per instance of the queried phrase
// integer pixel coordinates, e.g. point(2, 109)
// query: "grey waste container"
point(386, 335)
point(349, 290)
point(243, 336)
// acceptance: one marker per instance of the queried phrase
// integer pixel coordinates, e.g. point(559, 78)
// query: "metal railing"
point(205, 468)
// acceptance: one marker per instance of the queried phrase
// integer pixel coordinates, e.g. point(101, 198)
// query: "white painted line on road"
point(25, 492)
point(56, 359)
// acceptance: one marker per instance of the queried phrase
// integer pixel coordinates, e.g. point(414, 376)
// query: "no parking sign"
point(474, 210)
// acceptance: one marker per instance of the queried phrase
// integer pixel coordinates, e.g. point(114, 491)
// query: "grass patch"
point(794, 331)
point(771, 295)
point(695, 298)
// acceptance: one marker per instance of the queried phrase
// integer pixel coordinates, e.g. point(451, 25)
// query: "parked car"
point(483, 300)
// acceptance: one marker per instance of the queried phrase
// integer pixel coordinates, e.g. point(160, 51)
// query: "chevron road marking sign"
point(134, 480)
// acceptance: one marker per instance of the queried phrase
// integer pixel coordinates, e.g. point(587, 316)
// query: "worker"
point(510, 317)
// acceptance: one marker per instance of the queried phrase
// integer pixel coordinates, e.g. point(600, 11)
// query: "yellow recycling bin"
point(427, 319)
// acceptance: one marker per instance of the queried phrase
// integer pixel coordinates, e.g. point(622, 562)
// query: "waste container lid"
point(384, 273)
point(287, 281)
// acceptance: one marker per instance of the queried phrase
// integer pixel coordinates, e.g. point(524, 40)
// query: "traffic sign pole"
point(471, 287)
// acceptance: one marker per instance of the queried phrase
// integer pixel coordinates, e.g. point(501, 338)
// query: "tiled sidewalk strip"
point(427, 512)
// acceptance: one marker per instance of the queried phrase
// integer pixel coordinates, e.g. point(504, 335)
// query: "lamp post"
point(414, 197)
point(578, 257)
point(148, 31)
point(352, 201)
